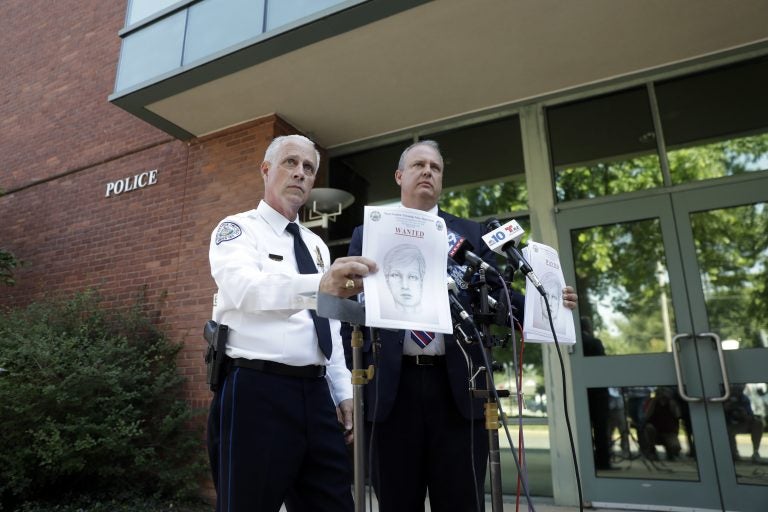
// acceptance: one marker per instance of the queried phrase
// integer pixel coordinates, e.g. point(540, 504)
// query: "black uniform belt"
point(307, 372)
point(423, 360)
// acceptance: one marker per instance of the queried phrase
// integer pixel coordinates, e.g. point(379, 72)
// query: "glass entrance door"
point(672, 363)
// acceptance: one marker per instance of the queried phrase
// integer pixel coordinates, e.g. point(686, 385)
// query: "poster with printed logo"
point(536, 327)
point(409, 290)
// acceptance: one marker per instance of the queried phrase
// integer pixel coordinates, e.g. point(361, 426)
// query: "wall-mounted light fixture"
point(325, 204)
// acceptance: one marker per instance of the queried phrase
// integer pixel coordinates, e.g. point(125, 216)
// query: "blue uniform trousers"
point(272, 435)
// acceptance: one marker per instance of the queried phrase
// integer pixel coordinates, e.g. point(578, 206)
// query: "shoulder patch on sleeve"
point(227, 231)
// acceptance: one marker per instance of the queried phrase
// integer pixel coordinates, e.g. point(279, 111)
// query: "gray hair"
point(426, 142)
point(278, 142)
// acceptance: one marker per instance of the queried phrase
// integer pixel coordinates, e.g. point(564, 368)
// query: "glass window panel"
point(745, 414)
point(732, 254)
point(282, 12)
point(642, 432)
point(151, 51)
point(603, 146)
point(374, 169)
point(624, 299)
point(217, 24)
point(484, 173)
point(491, 151)
point(537, 460)
point(140, 9)
point(486, 200)
point(716, 122)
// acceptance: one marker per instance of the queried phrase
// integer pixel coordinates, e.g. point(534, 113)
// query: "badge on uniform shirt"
point(319, 259)
point(227, 231)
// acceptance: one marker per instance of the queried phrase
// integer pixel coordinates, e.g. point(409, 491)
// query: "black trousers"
point(426, 445)
point(271, 436)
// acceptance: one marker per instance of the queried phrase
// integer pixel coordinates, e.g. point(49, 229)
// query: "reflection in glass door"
point(723, 230)
point(674, 347)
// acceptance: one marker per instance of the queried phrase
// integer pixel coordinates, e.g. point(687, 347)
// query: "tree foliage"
point(618, 264)
point(484, 200)
point(622, 266)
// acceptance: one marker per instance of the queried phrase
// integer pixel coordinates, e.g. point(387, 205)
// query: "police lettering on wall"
point(135, 182)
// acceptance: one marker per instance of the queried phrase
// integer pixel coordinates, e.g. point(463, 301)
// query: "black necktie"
point(307, 266)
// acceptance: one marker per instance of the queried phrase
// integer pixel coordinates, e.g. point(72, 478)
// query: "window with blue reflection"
point(217, 24)
point(151, 51)
point(283, 12)
point(140, 9)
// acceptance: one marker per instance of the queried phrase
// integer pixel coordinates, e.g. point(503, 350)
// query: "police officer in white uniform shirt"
point(277, 422)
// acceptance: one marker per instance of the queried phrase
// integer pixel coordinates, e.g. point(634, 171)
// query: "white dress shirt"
point(264, 299)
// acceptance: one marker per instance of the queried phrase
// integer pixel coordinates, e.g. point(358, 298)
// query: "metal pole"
point(491, 407)
point(492, 424)
point(358, 381)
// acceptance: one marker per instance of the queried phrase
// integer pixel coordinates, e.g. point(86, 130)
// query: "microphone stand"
point(491, 407)
point(329, 306)
point(360, 377)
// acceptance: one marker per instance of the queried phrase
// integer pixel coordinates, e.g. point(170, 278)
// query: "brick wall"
point(62, 143)
point(57, 68)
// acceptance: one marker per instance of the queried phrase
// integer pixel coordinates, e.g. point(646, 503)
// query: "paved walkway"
point(539, 504)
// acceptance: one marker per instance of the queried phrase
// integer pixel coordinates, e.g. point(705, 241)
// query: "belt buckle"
point(427, 360)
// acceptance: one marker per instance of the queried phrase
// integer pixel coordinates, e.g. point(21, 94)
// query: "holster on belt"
point(215, 356)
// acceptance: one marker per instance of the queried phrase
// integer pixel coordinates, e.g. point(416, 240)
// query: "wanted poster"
point(409, 291)
point(546, 265)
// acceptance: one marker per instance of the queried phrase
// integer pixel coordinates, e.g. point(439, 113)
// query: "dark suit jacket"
point(390, 350)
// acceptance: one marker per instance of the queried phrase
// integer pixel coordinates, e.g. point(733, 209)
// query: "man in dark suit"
point(428, 431)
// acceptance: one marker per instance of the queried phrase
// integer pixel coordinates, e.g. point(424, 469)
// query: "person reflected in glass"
point(662, 425)
point(599, 400)
point(741, 419)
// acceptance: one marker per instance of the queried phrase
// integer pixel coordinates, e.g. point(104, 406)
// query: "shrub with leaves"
point(91, 403)
point(7, 263)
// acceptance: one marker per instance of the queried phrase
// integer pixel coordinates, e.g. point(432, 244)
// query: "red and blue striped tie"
point(422, 338)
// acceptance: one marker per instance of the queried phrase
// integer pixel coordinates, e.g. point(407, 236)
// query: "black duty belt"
point(306, 372)
point(423, 360)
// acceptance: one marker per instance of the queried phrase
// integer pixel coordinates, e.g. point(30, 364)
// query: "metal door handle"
point(678, 370)
point(723, 370)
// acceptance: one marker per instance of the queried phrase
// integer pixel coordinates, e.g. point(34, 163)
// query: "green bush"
point(91, 404)
point(7, 263)
point(121, 503)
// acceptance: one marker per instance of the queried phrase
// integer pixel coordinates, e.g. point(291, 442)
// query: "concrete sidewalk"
point(539, 505)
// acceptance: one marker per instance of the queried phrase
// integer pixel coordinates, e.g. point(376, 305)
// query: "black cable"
point(492, 389)
point(470, 373)
point(565, 404)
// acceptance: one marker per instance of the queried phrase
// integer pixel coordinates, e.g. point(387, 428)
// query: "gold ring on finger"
point(349, 284)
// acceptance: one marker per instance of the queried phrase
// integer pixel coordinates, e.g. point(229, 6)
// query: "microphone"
point(456, 308)
point(503, 240)
point(460, 251)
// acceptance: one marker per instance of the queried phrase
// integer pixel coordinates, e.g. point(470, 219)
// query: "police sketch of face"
point(404, 269)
